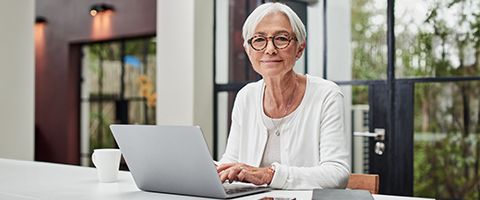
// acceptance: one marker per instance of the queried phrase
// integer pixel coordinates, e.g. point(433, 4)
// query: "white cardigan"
point(313, 144)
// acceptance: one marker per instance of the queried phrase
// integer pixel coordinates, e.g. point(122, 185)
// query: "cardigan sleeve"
point(332, 169)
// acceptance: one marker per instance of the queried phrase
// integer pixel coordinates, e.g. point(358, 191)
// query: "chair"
point(368, 182)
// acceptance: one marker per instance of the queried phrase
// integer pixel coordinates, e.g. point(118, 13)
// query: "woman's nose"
point(270, 49)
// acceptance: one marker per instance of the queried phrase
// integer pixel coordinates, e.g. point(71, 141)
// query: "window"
point(441, 40)
point(118, 86)
point(436, 51)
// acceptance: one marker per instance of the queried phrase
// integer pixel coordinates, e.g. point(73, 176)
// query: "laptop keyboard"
point(238, 190)
point(234, 189)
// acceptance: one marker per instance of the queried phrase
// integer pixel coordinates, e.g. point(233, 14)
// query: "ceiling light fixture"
point(40, 20)
point(99, 8)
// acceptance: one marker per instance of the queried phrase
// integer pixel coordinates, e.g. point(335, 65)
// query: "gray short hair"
point(268, 8)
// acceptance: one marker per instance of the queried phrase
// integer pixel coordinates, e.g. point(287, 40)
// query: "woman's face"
point(271, 62)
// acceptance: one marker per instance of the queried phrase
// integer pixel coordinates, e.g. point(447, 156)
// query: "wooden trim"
point(368, 182)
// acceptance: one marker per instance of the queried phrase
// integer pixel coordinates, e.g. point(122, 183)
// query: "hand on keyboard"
point(245, 173)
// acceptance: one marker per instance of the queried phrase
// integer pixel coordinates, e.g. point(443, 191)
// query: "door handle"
point(379, 134)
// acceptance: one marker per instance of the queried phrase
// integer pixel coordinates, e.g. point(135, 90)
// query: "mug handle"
point(93, 159)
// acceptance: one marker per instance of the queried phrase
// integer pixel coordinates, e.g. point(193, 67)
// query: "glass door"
point(418, 63)
point(381, 106)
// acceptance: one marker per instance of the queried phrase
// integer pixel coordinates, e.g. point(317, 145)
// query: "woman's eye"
point(259, 40)
point(281, 38)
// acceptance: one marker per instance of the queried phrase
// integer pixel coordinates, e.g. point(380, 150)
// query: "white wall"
point(185, 64)
point(339, 54)
point(17, 79)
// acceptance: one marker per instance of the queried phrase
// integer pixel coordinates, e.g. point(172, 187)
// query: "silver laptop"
point(173, 159)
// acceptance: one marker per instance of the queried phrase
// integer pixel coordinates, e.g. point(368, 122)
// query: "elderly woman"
point(287, 129)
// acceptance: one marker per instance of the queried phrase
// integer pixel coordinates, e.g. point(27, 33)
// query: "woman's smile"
point(271, 61)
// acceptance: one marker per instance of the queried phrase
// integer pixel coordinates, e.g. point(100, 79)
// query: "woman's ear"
point(300, 50)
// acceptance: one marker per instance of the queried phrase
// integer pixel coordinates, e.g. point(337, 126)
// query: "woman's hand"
point(245, 173)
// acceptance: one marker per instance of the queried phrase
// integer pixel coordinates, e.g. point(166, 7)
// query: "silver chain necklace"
point(287, 108)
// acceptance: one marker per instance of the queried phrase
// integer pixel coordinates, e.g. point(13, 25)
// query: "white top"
point(313, 142)
point(271, 154)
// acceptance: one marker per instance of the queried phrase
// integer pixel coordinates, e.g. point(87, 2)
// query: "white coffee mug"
point(107, 162)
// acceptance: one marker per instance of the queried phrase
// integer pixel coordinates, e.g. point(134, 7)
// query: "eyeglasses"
point(259, 43)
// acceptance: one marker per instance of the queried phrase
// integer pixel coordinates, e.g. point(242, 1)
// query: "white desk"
point(27, 180)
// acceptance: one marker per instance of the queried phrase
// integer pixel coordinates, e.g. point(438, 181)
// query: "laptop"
point(174, 159)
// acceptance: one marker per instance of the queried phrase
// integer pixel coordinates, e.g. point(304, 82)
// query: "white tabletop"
point(27, 180)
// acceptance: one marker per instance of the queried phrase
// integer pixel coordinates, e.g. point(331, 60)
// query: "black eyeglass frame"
point(272, 38)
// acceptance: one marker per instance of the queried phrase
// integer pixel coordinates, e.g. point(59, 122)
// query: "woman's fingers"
point(244, 173)
point(233, 172)
point(230, 171)
point(224, 166)
point(241, 176)
point(223, 176)
point(230, 174)
point(256, 176)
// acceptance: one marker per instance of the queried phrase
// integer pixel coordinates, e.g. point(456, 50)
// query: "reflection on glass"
point(369, 41)
point(437, 38)
point(446, 140)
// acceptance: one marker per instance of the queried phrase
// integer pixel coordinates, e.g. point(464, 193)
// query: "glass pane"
point(437, 38)
point(140, 112)
point(356, 114)
point(102, 114)
point(224, 108)
point(369, 41)
point(101, 70)
point(239, 65)
point(446, 140)
point(140, 68)
point(101, 94)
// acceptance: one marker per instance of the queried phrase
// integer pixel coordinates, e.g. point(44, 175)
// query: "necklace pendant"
point(277, 132)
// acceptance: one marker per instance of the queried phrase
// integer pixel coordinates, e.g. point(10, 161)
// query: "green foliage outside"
point(445, 43)
point(100, 135)
point(369, 46)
